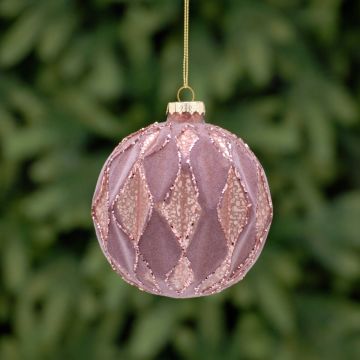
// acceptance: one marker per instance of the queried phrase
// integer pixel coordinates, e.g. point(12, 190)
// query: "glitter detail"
point(131, 140)
point(222, 145)
point(148, 142)
point(263, 222)
point(182, 210)
point(134, 204)
point(181, 276)
point(233, 207)
point(263, 206)
point(185, 141)
point(233, 212)
point(101, 207)
point(149, 276)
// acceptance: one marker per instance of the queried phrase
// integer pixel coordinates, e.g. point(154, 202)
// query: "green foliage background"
point(77, 76)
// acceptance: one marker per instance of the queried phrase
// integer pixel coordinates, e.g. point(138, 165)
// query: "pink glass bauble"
point(182, 208)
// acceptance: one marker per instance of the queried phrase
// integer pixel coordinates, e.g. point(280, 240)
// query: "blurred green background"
point(77, 76)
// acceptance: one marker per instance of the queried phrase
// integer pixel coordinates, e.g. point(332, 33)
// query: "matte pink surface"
point(182, 208)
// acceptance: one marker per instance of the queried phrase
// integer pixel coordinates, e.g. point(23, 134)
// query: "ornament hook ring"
point(184, 87)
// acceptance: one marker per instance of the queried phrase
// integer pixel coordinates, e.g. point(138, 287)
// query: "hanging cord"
point(186, 55)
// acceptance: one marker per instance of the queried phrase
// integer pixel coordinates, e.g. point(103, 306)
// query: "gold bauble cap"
point(186, 107)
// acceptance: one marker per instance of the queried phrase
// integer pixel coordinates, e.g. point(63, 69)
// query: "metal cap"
point(186, 107)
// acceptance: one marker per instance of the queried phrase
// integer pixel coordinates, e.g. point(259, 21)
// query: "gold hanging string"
point(186, 44)
point(185, 85)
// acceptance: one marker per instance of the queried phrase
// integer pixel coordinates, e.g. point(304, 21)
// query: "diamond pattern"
point(188, 246)
point(186, 141)
point(183, 210)
point(134, 204)
point(233, 215)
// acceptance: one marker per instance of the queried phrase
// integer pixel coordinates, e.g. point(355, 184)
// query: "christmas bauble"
point(182, 208)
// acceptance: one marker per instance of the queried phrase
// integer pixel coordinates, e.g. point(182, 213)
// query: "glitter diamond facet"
point(221, 143)
point(101, 209)
point(183, 210)
point(149, 140)
point(186, 141)
point(181, 276)
point(134, 204)
point(233, 207)
point(147, 276)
